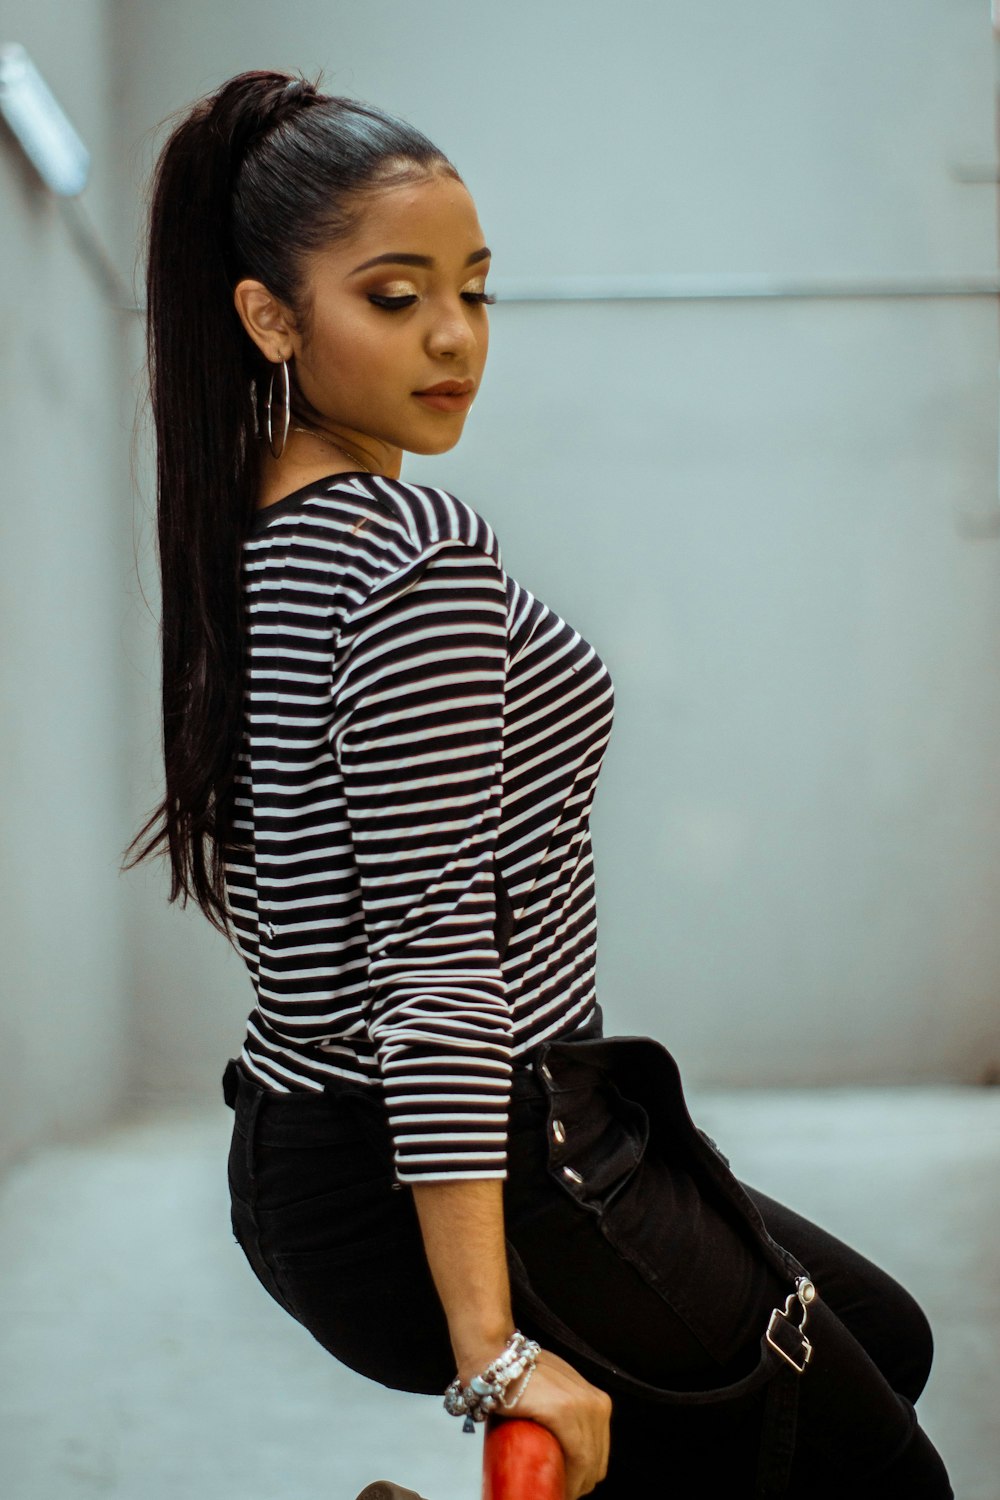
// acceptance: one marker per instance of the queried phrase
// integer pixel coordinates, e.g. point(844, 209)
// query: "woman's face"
point(397, 308)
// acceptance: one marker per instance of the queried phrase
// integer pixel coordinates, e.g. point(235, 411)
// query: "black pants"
point(669, 1286)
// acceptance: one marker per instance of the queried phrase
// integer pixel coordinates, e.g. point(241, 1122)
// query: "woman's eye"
point(395, 304)
point(392, 303)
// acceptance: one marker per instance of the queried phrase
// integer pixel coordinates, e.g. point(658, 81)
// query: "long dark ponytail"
point(252, 179)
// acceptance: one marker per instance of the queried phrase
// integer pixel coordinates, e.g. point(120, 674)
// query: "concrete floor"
point(140, 1359)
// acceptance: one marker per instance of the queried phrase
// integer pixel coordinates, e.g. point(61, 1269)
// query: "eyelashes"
point(396, 304)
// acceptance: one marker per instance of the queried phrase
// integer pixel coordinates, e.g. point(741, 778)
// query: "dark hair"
point(253, 178)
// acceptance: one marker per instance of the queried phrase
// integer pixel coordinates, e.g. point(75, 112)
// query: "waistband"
point(238, 1081)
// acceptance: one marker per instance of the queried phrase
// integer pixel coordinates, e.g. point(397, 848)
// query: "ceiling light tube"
point(45, 134)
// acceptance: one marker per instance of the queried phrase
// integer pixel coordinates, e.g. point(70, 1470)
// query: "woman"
point(381, 753)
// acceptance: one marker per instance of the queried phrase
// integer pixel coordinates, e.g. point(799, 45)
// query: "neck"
point(348, 451)
point(368, 455)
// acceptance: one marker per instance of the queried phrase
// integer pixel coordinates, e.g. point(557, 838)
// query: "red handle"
point(522, 1461)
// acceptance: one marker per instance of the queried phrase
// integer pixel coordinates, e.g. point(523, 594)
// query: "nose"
point(450, 333)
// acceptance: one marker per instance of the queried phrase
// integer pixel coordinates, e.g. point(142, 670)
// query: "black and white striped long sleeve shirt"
point(421, 744)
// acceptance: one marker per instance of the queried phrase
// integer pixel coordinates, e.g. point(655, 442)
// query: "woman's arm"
point(419, 739)
point(462, 1227)
point(418, 736)
point(463, 1232)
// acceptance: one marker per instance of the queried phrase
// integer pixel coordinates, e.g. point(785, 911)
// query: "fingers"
point(577, 1413)
point(585, 1472)
point(588, 1426)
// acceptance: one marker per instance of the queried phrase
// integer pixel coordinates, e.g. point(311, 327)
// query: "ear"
point(268, 322)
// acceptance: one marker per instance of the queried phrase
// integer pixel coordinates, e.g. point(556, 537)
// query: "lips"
point(447, 395)
point(448, 388)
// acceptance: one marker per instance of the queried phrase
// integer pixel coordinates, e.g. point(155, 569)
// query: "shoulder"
point(432, 517)
point(363, 538)
point(415, 523)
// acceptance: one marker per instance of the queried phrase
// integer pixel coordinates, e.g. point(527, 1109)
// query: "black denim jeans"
point(631, 1247)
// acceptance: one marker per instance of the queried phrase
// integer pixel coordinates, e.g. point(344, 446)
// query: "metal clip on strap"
point(787, 1338)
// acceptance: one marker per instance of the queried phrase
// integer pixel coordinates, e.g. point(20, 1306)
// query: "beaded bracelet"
point(488, 1390)
point(508, 1405)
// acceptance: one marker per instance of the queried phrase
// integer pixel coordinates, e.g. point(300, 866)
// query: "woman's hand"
point(576, 1412)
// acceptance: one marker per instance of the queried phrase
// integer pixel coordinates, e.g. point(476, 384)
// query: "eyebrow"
point(401, 258)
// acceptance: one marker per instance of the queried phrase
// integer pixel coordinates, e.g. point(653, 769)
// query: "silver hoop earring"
point(287, 414)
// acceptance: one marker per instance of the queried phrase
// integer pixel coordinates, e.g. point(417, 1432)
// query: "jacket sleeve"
point(419, 740)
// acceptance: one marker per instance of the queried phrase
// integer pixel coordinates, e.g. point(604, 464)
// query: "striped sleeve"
point(419, 740)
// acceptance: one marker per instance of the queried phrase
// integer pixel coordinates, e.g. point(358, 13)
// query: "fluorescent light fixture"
point(33, 114)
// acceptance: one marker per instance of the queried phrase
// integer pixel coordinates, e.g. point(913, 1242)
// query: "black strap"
point(528, 1301)
point(644, 1071)
point(777, 1435)
point(777, 1442)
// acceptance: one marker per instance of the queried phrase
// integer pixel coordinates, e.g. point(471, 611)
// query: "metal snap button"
point(573, 1176)
point(559, 1131)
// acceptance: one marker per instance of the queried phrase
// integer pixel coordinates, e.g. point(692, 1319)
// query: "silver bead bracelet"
point(488, 1390)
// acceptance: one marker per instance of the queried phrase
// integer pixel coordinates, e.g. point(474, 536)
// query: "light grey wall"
point(777, 521)
point(64, 1004)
